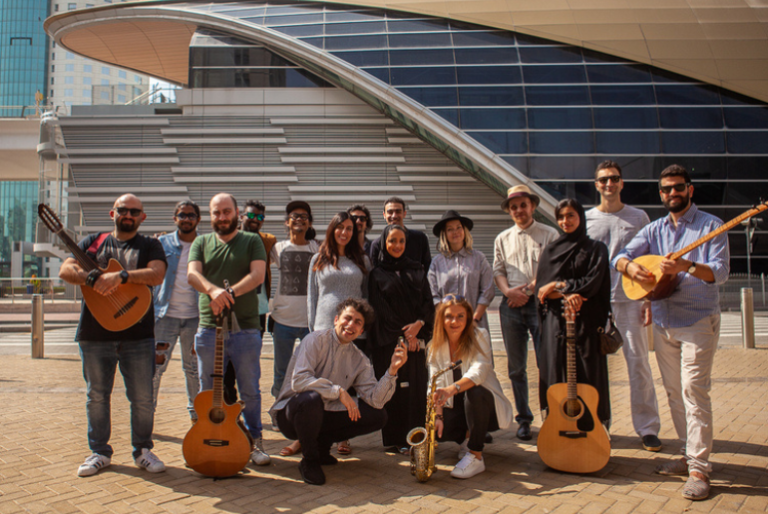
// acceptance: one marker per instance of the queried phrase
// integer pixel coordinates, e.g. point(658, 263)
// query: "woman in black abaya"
point(399, 292)
point(575, 267)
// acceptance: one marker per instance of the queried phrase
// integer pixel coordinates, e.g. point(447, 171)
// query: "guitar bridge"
point(216, 442)
point(573, 434)
point(128, 306)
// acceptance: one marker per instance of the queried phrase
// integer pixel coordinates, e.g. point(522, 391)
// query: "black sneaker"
point(651, 443)
point(311, 472)
point(524, 432)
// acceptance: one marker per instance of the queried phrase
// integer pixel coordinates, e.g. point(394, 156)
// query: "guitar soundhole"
point(572, 408)
point(216, 415)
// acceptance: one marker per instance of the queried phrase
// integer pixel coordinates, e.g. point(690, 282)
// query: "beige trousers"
point(685, 356)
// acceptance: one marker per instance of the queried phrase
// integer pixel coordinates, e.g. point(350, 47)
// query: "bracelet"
point(92, 277)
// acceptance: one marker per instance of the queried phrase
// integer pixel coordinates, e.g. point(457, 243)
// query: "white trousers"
point(645, 408)
point(685, 356)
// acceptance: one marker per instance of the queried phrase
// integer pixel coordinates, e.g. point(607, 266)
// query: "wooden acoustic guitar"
point(572, 439)
point(664, 285)
point(117, 311)
point(217, 445)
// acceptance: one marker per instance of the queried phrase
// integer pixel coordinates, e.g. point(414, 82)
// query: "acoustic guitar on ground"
point(665, 284)
point(117, 311)
point(217, 445)
point(572, 439)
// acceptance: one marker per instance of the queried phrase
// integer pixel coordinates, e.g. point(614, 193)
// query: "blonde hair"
point(468, 344)
point(445, 248)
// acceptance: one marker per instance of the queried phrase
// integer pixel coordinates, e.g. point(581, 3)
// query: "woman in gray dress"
point(458, 268)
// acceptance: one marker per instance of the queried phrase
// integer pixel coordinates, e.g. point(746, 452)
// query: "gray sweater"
point(329, 287)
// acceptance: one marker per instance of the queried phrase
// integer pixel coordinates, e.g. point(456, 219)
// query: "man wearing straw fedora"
point(515, 261)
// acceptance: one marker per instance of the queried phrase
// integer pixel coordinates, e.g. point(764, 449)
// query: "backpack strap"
point(94, 248)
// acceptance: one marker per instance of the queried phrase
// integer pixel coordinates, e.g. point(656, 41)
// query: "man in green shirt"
point(238, 257)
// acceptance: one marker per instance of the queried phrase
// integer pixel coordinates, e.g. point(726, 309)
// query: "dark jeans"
point(305, 418)
point(516, 324)
point(473, 410)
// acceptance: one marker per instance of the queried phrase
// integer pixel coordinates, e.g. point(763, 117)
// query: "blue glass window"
point(562, 142)
point(519, 162)
point(619, 73)
point(492, 119)
point(554, 74)
point(501, 142)
point(746, 117)
point(488, 96)
point(563, 118)
point(423, 76)
point(488, 74)
point(302, 30)
point(695, 117)
point(749, 167)
point(344, 16)
point(693, 142)
point(662, 76)
point(627, 142)
point(429, 57)
point(452, 115)
point(557, 95)
point(419, 40)
point(548, 55)
point(561, 168)
point(371, 58)
point(686, 95)
point(461, 38)
point(429, 96)
point(625, 117)
point(486, 56)
point(295, 19)
point(622, 95)
point(355, 42)
point(355, 28)
point(380, 73)
point(415, 25)
point(747, 142)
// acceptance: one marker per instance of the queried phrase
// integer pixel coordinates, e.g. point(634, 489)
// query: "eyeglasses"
point(613, 178)
point(677, 187)
point(186, 216)
point(252, 215)
point(358, 218)
point(297, 217)
point(452, 298)
point(122, 211)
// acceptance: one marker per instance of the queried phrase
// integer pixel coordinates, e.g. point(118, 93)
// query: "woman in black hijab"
point(399, 292)
point(575, 267)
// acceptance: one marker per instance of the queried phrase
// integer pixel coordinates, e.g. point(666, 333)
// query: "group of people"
point(375, 319)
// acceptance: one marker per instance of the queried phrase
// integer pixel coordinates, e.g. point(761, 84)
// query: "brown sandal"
point(290, 450)
point(344, 448)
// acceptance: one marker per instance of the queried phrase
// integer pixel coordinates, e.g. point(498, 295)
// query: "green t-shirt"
point(230, 261)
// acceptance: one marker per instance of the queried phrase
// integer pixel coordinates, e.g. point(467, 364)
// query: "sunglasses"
point(122, 211)
point(186, 216)
point(297, 217)
point(359, 218)
point(452, 298)
point(613, 178)
point(677, 187)
point(252, 215)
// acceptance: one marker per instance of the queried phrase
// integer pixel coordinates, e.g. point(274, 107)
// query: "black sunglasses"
point(186, 216)
point(358, 218)
point(677, 187)
point(122, 211)
point(452, 298)
point(252, 215)
point(613, 178)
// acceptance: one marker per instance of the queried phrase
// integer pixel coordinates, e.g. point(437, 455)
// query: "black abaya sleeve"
point(427, 311)
point(590, 282)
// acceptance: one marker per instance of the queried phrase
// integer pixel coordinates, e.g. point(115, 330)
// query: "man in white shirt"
point(176, 311)
point(615, 224)
point(515, 262)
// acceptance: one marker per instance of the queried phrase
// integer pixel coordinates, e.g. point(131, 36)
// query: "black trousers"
point(473, 410)
point(305, 418)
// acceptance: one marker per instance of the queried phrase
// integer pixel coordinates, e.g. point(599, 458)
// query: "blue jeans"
point(244, 350)
point(137, 365)
point(283, 339)
point(167, 331)
point(516, 324)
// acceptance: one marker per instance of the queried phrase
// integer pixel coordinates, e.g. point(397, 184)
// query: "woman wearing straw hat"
point(458, 269)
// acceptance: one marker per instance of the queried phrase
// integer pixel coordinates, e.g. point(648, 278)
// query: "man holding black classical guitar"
point(102, 348)
point(687, 323)
point(238, 258)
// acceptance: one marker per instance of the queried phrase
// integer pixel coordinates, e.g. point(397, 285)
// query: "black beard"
point(188, 231)
point(680, 207)
point(247, 228)
point(225, 231)
point(120, 228)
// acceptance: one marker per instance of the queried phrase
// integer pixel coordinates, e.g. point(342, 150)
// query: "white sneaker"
point(468, 467)
point(149, 461)
point(258, 455)
point(463, 449)
point(93, 464)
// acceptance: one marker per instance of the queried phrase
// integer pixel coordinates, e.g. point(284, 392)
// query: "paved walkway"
point(43, 440)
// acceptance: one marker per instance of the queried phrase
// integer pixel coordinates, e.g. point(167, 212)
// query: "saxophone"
point(423, 440)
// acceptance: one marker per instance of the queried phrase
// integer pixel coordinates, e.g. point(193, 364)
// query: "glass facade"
point(23, 53)
point(18, 216)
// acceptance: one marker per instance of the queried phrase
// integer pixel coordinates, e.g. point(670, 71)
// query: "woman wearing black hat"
point(399, 293)
point(458, 269)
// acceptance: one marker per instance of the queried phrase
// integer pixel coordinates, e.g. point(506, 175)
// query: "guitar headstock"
point(49, 218)
point(568, 313)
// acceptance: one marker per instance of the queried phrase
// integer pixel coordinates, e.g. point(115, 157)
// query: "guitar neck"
point(82, 258)
point(570, 331)
point(218, 369)
point(725, 228)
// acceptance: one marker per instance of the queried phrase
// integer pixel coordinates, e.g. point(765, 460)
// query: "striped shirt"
point(693, 299)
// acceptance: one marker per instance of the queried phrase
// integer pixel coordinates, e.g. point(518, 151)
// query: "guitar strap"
point(94, 248)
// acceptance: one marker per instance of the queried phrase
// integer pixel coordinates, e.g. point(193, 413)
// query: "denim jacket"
point(172, 248)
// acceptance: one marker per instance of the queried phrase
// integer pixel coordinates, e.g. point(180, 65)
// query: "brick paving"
point(43, 441)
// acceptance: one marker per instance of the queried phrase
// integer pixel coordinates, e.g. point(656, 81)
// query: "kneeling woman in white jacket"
point(470, 402)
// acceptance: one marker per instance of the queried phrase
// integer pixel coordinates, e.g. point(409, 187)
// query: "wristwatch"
point(123, 277)
point(692, 268)
point(458, 387)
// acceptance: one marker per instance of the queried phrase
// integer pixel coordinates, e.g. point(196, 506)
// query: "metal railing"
point(730, 292)
point(22, 289)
